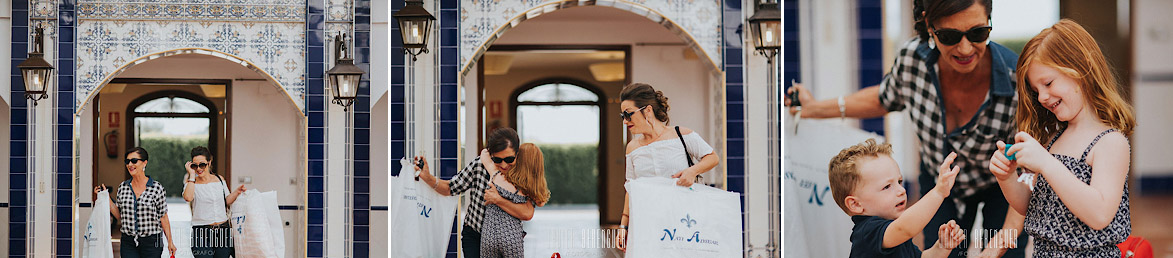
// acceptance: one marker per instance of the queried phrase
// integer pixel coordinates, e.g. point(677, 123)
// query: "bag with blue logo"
point(256, 225)
point(422, 218)
point(674, 221)
point(97, 233)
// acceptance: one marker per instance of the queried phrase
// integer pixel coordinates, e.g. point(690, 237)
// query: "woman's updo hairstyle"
point(644, 95)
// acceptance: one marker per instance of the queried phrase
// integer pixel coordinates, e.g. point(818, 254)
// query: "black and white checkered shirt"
point(142, 215)
point(913, 85)
point(473, 179)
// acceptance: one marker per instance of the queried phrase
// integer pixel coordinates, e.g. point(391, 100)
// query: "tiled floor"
point(569, 230)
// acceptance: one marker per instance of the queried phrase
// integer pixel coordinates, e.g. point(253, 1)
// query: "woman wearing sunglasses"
point(959, 88)
point(209, 197)
point(502, 150)
point(657, 149)
point(141, 209)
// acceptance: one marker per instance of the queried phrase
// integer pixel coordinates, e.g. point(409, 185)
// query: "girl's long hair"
point(530, 174)
point(1067, 47)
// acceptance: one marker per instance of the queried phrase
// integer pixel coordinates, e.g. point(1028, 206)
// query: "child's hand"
point(487, 161)
point(946, 176)
point(1002, 167)
point(1029, 153)
point(950, 235)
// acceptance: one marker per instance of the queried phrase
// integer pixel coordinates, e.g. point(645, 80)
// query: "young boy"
point(867, 185)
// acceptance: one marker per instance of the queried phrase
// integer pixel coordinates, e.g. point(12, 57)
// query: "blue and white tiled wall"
point(18, 171)
point(871, 53)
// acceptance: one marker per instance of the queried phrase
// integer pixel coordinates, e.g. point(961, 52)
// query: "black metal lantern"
point(766, 27)
point(344, 76)
point(36, 71)
point(415, 23)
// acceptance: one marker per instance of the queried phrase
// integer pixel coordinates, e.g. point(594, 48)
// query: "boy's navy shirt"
point(867, 239)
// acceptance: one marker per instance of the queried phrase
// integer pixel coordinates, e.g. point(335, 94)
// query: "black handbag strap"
point(687, 156)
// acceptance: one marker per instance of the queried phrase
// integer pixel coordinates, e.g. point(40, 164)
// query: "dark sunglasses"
point(626, 115)
point(134, 160)
point(201, 165)
point(509, 159)
point(951, 37)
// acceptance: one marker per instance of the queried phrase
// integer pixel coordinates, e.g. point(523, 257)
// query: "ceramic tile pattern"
point(262, 32)
point(700, 19)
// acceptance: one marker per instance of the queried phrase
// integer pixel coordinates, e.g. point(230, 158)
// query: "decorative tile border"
point(103, 47)
point(191, 11)
point(340, 10)
point(700, 20)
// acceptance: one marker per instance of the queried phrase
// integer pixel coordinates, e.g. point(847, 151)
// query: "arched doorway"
point(254, 128)
point(556, 114)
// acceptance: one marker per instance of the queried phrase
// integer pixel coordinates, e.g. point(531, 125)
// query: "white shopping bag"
point(674, 221)
point(422, 218)
point(256, 225)
point(97, 233)
point(815, 226)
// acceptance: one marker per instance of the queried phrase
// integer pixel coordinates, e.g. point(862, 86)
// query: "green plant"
point(168, 155)
point(572, 173)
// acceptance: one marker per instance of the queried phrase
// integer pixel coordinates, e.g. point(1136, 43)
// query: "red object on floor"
point(556, 255)
point(1136, 247)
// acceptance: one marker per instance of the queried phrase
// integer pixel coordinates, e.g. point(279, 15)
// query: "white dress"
point(208, 204)
point(665, 157)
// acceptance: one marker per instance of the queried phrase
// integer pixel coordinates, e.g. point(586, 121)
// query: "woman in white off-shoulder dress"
point(657, 149)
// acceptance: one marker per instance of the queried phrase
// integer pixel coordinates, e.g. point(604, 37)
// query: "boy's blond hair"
point(843, 173)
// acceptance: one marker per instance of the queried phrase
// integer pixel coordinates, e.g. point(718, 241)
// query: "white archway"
point(259, 109)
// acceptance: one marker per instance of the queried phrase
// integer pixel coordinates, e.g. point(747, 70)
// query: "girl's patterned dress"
point(501, 233)
point(1057, 232)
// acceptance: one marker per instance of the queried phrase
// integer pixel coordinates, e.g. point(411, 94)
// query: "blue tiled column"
point(449, 126)
point(362, 131)
point(63, 214)
point(734, 94)
point(397, 130)
point(18, 171)
point(791, 60)
point(315, 107)
point(871, 53)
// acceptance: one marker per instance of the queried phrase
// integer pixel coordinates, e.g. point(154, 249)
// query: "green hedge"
point(572, 172)
point(167, 158)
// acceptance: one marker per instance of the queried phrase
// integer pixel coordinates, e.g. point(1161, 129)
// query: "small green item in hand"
point(1009, 156)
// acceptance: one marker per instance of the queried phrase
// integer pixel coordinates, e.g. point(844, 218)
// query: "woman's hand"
point(1002, 167)
point(492, 196)
point(98, 189)
point(804, 96)
point(685, 179)
point(240, 189)
point(621, 241)
point(191, 173)
point(171, 247)
point(1029, 153)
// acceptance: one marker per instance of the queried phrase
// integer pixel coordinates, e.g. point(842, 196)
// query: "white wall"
point(1152, 87)
point(5, 117)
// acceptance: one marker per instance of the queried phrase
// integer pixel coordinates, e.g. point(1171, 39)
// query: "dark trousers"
point(148, 246)
point(212, 241)
point(993, 215)
point(470, 242)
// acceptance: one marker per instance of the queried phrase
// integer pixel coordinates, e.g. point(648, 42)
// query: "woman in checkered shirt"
point(142, 210)
point(958, 88)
